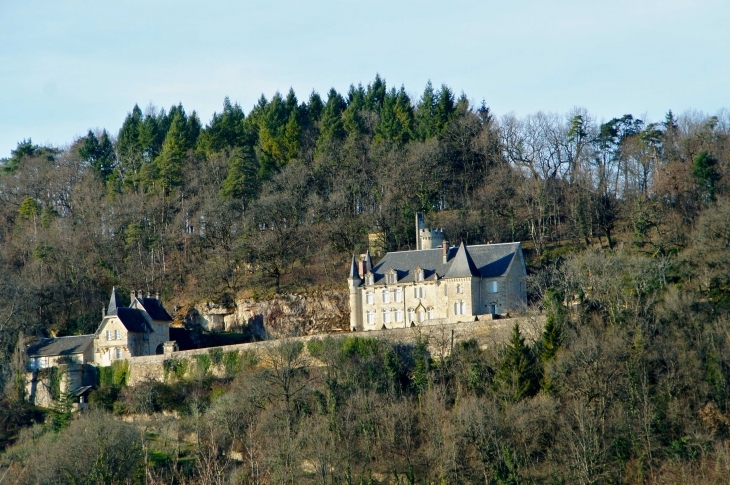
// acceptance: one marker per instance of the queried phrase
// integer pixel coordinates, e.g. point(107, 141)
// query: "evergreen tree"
point(333, 128)
point(225, 131)
point(99, 153)
point(315, 107)
point(168, 165)
point(240, 184)
point(516, 377)
point(128, 143)
point(352, 116)
point(705, 171)
point(396, 120)
point(376, 94)
point(426, 113)
point(444, 109)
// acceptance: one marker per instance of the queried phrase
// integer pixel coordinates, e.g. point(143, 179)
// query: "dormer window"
point(369, 279)
point(419, 274)
point(392, 278)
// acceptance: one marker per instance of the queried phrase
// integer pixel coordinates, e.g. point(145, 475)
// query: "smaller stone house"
point(140, 329)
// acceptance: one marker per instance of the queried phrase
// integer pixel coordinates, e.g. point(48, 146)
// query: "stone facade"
point(436, 286)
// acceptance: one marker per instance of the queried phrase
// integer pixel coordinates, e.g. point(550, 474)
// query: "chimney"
point(157, 295)
point(132, 296)
point(361, 268)
point(445, 247)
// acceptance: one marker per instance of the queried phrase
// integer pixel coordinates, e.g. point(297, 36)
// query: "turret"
point(353, 282)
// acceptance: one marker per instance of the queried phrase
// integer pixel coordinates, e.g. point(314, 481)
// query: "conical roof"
point(114, 303)
point(354, 273)
point(462, 266)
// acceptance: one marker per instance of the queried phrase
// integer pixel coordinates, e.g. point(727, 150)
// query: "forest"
point(625, 224)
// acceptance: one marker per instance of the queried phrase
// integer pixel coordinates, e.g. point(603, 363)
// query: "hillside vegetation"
point(627, 229)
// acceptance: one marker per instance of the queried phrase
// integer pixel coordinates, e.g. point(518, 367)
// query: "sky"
point(69, 66)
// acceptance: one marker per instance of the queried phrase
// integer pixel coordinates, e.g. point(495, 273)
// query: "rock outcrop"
point(284, 315)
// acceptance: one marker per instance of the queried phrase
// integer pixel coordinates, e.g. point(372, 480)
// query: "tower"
point(353, 283)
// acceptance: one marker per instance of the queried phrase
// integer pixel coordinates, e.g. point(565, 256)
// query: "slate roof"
point(463, 265)
point(114, 303)
point(487, 261)
point(155, 309)
point(75, 344)
point(354, 273)
point(133, 320)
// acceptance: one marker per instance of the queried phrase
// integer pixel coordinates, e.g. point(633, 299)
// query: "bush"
point(178, 367)
point(216, 355)
point(232, 363)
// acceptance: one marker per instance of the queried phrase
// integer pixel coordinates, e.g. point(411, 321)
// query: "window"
point(398, 295)
point(430, 313)
point(399, 315)
point(119, 353)
point(421, 315)
point(446, 290)
point(369, 297)
point(386, 296)
point(159, 329)
point(118, 335)
point(459, 289)
point(411, 315)
point(371, 317)
point(43, 362)
point(108, 334)
point(459, 308)
point(419, 292)
point(111, 354)
point(391, 278)
point(492, 287)
point(370, 279)
point(419, 276)
point(386, 316)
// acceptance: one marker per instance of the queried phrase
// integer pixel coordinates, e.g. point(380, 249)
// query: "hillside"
point(625, 223)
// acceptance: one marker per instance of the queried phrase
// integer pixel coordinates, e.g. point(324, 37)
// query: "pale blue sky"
point(67, 66)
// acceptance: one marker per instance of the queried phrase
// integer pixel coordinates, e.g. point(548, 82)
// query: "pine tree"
point(705, 171)
point(99, 153)
point(240, 184)
point(333, 128)
point(169, 163)
point(128, 143)
point(516, 376)
point(426, 113)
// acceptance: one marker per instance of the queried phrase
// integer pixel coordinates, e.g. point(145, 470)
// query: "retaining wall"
point(440, 340)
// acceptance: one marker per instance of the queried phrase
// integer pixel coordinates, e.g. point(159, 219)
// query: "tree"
point(240, 184)
point(515, 377)
point(99, 153)
point(704, 169)
point(169, 163)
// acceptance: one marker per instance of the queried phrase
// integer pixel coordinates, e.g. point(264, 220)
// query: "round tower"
point(430, 238)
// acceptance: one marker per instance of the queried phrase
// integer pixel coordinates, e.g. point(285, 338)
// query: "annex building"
point(436, 283)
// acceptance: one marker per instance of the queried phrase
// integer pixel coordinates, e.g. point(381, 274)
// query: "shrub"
point(232, 363)
point(216, 355)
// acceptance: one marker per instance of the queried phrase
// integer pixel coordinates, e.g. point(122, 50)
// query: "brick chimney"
point(445, 247)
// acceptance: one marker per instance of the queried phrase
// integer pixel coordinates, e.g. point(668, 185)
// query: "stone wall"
point(487, 333)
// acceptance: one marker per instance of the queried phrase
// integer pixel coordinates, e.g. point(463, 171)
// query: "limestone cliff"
point(284, 315)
